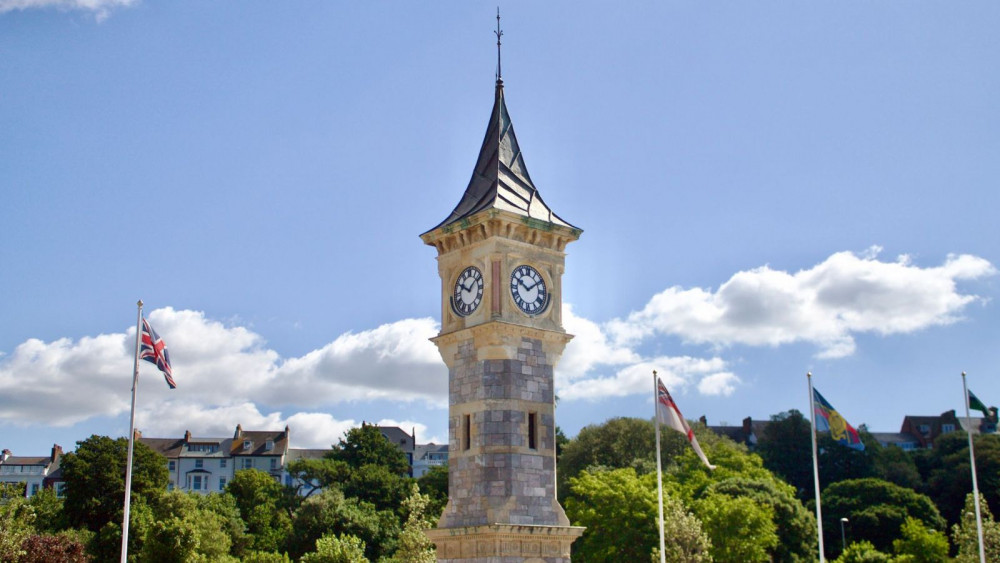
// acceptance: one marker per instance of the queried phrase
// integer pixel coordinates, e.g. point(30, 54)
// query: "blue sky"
point(765, 189)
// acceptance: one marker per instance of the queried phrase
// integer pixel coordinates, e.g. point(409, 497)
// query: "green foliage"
point(950, 478)
point(367, 446)
point(615, 444)
point(183, 531)
point(337, 549)
point(918, 544)
point(434, 484)
point(95, 479)
point(619, 512)
point(261, 502)
point(265, 557)
point(876, 509)
point(796, 526)
point(862, 552)
point(898, 466)
point(330, 513)
point(684, 539)
point(378, 485)
point(224, 506)
point(314, 475)
point(739, 528)
point(786, 449)
point(966, 538)
point(16, 521)
point(414, 546)
point(48, 508)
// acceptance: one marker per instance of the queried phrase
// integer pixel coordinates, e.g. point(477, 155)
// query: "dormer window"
point(269, 445)
point(247, 444)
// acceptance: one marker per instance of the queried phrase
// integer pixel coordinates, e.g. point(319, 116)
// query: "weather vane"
point(499, 34)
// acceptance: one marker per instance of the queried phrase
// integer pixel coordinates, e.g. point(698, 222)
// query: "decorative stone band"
point(504, 543)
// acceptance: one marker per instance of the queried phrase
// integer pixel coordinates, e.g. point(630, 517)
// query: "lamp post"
point(843, 538)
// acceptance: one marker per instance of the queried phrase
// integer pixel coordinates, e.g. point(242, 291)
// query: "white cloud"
point(826, 305)
point(227, 375)
point(100, 8)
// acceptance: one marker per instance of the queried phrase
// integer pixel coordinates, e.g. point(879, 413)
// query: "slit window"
point(466, 432)
point(533, 430)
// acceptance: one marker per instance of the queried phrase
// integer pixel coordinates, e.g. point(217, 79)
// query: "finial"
point(139, 303)
point(498, 33)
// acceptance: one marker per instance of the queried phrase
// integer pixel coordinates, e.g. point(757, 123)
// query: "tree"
point(16, 518)
point(314, 475)
point(45, 548)
point(414, 546)
point(367, 446)
point(966, 538)
point(183, 531)
point(862, 552)
point(261, 502)
point(786, 449)
point(951, 477)
point(796, 526)
point(434, 484)
point(739, 528)
point(48, 509)
point(877, 510)
point(619, 513)
point(918, 544)
point(95, 479)
point(337, 549)
point(330, 513)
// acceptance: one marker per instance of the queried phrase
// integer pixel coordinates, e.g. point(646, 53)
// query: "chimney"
point(747, 426)
point(414, 436)
point(239, 432)
point(703, 420)
point(6, 454)
point(187, 436)
point(137, 434)
point(56, 452)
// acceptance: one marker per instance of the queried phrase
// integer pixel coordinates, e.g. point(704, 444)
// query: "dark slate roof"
point(168, 447)
point(28, 460)
point(306, 453)
point(258, 441)
point(500, 179)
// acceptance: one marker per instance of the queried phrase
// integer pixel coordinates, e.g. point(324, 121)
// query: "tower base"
point(504, 543)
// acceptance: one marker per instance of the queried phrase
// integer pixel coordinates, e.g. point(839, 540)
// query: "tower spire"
point(499, 34)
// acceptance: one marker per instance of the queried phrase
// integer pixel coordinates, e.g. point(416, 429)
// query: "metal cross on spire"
point(499, 34)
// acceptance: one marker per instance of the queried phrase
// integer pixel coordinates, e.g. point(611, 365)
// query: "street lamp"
point(843, 538)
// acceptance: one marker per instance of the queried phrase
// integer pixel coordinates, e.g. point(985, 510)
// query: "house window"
point(269, 445)
point(274, 463)
point(222, 483)
point(34, 489)
point(533, 430)
point(947, 428)
point(196, 482)
point(171, 465)
point(170, 486)
point(924, 429)
point(222, 463)
point(199, 463)
point(60, 489)
point(247, 444)
point(247, 463)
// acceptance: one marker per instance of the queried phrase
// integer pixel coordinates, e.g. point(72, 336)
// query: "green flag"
point(976, 404)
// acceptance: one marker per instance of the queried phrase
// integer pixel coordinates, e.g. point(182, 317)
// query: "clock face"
point(468, 291)
point(528, 290)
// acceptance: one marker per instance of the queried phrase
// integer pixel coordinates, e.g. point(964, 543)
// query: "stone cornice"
point(499, 223)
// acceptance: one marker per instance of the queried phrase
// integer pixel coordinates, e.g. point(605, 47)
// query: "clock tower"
point(501, 255)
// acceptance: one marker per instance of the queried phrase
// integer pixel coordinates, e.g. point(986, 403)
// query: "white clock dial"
point(468, 291)
point(527, 287)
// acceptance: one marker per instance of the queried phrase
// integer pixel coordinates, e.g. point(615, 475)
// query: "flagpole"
point(659, 470)
point(972, 462)
point(131, 436)
point(819, 510)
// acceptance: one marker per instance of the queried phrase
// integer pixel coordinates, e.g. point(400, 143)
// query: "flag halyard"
point(154, 350)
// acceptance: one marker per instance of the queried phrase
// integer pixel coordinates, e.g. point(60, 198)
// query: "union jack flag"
point(153, 350)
